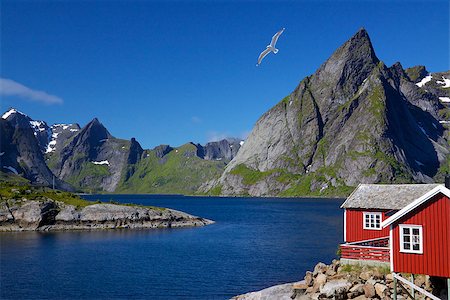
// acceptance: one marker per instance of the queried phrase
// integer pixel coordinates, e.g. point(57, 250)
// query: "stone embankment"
point(337, 282)
point(46, 214)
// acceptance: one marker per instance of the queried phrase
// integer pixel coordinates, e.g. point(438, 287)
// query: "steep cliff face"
point(93, 160)
point(21, 153)
point(353, 121)
point(225, 149)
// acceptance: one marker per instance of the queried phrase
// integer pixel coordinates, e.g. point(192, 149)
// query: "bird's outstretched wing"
point(262, 55)
point(275, 37)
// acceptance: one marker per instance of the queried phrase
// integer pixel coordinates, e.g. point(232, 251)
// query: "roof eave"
point(416, 203)
point(342, 205)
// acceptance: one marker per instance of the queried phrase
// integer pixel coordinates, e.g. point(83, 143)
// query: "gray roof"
point(386, 196)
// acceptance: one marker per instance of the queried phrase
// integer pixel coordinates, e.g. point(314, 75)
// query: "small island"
point(31, 208)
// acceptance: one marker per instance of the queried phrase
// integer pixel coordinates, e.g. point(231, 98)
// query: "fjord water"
point(255, 243)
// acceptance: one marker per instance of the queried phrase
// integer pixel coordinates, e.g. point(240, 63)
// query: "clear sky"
point(178, 71)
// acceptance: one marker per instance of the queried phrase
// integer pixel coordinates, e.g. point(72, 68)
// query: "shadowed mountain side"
point(353, 121)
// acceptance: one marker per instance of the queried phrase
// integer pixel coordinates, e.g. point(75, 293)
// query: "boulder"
point(381, 289)
point(319, 269)
point(365, 275)
point(309, 279)
point(320, 279)
point(330, 271)
point(369, 290)
point(335, 288)
point(420, 280)
point(356, 291)
point(282, 292)
point(301, 285)
point(318, 283)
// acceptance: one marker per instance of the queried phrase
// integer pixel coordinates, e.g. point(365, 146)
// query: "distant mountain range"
point(90, 159)
point(353, 121)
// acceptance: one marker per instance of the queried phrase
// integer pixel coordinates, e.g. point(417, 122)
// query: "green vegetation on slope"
point(250, 176)
point(178, 172)
point(16, 191)
point(91, 175)
point(19, 191)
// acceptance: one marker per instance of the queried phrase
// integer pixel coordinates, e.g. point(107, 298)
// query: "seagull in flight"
point(271, 47)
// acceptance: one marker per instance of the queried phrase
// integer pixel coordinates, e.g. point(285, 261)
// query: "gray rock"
point(50, 215)
point(335, 288)
point(320, 268)
point(280, 292)
point(369, 290)
point(346, 124)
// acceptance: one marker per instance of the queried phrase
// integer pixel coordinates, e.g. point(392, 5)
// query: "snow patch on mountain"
point(445, 99)
point(12, 111)
point(103, 162)
point(424, 80)
point(38, 125)
point(445, 82)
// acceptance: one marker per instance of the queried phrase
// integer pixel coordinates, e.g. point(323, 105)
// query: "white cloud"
point(9, 87)
point(214, 136)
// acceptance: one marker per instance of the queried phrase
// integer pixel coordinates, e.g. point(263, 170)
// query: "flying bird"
point(271, 47)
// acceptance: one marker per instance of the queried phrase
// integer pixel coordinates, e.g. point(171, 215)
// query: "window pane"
point(406, 246)
point(416, 247)
point(415, 231)
point(416, 239)
point(407, 239)
point(405, 230)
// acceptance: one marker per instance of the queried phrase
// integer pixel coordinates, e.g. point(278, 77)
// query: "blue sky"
point(178, 71)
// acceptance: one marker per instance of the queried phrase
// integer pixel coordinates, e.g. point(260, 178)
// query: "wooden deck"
point(376, 250)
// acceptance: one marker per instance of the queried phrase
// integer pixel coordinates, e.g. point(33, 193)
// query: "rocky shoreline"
point(336, 281)
point(46, 214)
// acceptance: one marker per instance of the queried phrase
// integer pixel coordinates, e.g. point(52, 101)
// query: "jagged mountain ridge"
point(353, 121)
point(90, 159)
point(21, 154)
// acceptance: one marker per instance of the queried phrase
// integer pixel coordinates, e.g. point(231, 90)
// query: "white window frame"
point(369, 213)
point(402, 235)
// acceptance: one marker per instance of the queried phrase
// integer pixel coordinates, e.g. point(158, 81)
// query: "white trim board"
point(416, 203)
point(415, 286)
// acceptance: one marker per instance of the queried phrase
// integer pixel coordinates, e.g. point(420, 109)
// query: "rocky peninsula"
point(31, 209)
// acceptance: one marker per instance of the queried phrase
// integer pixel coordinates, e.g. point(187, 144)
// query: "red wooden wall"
point(354, 226)
point(434, 216)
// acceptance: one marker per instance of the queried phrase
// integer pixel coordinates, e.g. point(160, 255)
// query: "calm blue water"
point(256, 242)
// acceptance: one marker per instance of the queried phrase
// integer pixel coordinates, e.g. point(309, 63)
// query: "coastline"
point(50, 215)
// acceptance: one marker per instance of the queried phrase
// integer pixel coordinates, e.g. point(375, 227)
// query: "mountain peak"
point(97, 130)
point(346, 68)
point(95, 121)
point(358, 47)
point(12, 111)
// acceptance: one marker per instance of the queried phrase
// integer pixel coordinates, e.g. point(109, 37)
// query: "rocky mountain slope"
point(354, 120)
point(21, 152)
point(90, 159)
